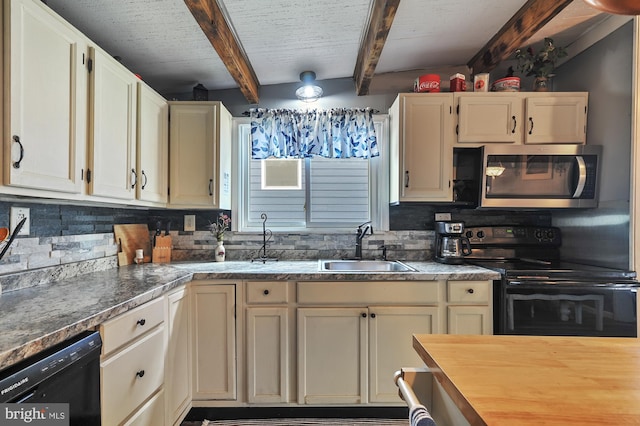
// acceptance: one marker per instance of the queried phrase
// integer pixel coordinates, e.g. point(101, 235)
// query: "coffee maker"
point(451, 244)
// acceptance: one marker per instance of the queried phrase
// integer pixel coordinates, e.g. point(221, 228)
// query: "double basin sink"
point(364, 266)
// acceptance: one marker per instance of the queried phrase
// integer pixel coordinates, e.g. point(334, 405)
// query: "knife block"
point(162, 249)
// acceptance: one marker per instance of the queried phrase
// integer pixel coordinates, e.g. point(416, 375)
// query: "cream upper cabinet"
point(112, 147)
point(488, 118)
point(153, 146)
point(421, 147)
point(45, 91)
point(556, 118)
point(200, 155)
point(214, 341)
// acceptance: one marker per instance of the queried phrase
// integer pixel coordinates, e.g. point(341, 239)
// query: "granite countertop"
point(38, 317)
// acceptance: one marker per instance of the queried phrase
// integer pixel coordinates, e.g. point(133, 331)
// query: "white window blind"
point(339, 191)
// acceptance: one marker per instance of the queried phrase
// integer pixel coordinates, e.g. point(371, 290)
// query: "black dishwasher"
point(66, 373)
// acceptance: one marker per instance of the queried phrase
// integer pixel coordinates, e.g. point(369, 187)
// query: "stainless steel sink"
point(364, 266)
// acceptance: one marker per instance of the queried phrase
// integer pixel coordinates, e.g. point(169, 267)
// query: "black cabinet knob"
point(470, 291)
point(266, 292)
point(140, 373)
point(141, 321)
point(364, 315)
point(373, 315)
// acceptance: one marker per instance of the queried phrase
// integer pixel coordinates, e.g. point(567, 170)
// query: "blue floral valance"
point(334, 133)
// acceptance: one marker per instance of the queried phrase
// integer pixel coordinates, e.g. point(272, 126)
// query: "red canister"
point(427, 83)
point(457, 83)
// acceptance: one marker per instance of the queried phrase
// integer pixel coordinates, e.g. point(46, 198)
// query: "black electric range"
point(541, 294)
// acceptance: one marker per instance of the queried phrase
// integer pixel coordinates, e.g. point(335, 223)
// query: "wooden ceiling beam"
point(215, 25)
point(514, 34)
point(380, 20)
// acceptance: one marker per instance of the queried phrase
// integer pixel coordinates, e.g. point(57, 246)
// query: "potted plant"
point(217, 228)
point(541, 64)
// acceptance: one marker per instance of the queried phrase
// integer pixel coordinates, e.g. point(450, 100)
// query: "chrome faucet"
point(360, 234)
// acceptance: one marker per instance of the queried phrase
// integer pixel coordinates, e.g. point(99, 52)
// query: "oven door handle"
point(582, 176)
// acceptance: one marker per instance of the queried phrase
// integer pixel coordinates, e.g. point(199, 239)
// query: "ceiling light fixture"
point(618, 7)
point(309, 91)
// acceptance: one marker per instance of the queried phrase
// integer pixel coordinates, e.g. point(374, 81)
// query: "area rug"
point(307, 422)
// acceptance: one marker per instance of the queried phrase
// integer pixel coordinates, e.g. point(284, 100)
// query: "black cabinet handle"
point(373, 315)
point(406, 179)
point(210, 186)
point(141, 321)
point(364, 315)
point(135, 178)
point(531, 123)
point(514, 124)
point(145, 180)
point(266, 292)
point(16, 164)
point(470, 291)
point(140, 373)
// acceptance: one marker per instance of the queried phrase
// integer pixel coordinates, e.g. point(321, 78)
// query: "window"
point(339, 194)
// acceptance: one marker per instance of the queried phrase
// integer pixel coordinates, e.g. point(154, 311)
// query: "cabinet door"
point(178, 367)
point(332, 355)
point(268, 355)
point(486, 119)
point(112, 148)
point(469, 320)
point(45, 136)
point(191, 144)
point(426, 147)
point(153, 146)
point(556, 119)
point(214, 342)
point(390, 345)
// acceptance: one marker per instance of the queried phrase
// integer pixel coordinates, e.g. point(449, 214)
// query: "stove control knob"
point(469, 234)
point(480, 234)
point(538, 234)
point(551, 235)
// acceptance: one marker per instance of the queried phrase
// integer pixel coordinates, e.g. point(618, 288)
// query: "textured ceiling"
point(161, 41)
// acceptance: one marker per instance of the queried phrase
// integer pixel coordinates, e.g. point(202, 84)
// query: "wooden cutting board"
point(129, 238)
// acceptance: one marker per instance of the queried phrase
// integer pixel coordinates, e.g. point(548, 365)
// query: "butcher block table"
point(532, 380)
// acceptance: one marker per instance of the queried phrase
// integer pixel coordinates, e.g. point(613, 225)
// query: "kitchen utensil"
point(132, 237)
point(13, 236)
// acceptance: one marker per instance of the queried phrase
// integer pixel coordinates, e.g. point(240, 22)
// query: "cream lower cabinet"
point(347, 355)
point(213, 341)
point(132, 366)
point(267, 342)
point(178, 359)
point(469, 307)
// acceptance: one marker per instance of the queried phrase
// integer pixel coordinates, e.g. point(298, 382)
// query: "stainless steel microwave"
point(534, 176)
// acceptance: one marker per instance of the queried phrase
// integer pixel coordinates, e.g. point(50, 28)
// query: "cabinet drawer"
point(151, 413)
point(266, 292)
point(368, 292)
point(131, 376)
point(468, 292)
point(126, 327)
